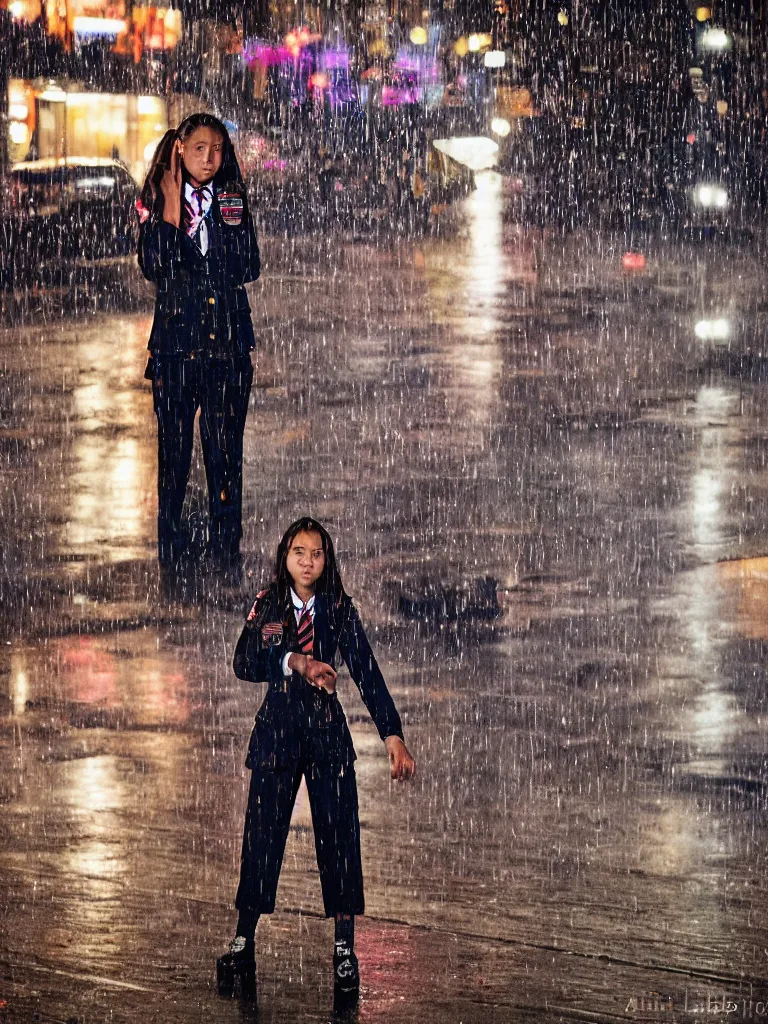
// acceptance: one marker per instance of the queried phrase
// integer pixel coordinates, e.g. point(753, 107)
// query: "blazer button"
point(212, 337)
point(211, 302)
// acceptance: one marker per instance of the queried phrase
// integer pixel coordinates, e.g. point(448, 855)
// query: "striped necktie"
point(195, 217)
point(306, 631)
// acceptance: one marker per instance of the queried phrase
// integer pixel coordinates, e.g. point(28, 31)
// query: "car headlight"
point(711, 196)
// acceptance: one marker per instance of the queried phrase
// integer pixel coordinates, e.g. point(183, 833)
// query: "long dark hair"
point(229, 174)
point(329, 584)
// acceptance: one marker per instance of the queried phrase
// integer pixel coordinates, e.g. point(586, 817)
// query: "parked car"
point(61, 215)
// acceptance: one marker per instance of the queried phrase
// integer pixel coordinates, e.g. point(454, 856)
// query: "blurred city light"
point(85, 26)
point(418, 36)
point(703, 13)
point(495, 59)
point(18, 133)
point(501, 127)
point(713, 330)
point(562, 18)
point(478, 41)
point(711, 196)
point(633, 261)
point(715, 39)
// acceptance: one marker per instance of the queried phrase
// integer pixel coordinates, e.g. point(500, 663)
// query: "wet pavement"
point(550, 497)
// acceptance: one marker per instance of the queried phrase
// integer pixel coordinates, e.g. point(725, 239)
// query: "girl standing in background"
point(197, 244)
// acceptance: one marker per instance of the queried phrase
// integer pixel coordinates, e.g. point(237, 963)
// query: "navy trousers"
point(220, 389)
point(332, 792)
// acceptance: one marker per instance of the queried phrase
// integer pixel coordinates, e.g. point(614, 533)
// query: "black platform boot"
point(237, 968)
point(346, 974)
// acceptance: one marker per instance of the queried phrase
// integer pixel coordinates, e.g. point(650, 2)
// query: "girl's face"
point(305, 560)
point(202, 153)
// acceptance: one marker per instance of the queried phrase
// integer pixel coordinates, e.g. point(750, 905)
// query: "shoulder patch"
point(255, 607)
point(142, 211)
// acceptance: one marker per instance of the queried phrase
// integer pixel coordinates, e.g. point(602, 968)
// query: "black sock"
point(345, 930)
point(246, 922)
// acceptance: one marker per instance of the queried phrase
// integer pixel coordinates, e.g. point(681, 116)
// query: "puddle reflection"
point(702, 601)
point(19, 683)
point(110, 506)
point(87, 675)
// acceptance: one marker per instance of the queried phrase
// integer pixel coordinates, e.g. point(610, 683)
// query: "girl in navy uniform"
point(295, 632)
point(198, 245)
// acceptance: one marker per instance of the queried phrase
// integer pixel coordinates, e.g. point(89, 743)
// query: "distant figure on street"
point(297, 629)
point(198, 245)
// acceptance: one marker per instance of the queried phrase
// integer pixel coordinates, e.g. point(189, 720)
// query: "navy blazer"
point(201, 306)
point(296, 717)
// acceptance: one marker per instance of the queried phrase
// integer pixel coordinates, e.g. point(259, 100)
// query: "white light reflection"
point(111, 483)
point(713, 722)
point(19, 685)
point(486, 269)
point(478, 364)
point(93, 791)
point(713, 409)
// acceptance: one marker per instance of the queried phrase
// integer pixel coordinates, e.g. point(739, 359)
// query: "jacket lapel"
point(325, 643)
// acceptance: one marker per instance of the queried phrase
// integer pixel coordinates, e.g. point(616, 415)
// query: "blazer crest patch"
point(231, 207)
point(272, 633)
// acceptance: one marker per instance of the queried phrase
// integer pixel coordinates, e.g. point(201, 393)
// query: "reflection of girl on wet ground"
point(295, 633)
point(197, 244)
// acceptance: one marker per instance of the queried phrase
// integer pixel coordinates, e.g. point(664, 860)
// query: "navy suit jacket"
point(296, 717)
point(201, 306)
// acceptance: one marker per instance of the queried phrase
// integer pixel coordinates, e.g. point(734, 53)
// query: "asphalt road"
point(550, 498)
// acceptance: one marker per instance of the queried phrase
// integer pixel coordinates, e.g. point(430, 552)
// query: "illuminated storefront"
point(56, 117)
point(45, 120)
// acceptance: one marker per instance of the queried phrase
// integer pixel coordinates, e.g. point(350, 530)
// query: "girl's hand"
point(170, 186)
point(401, 765)
point(316, 673)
